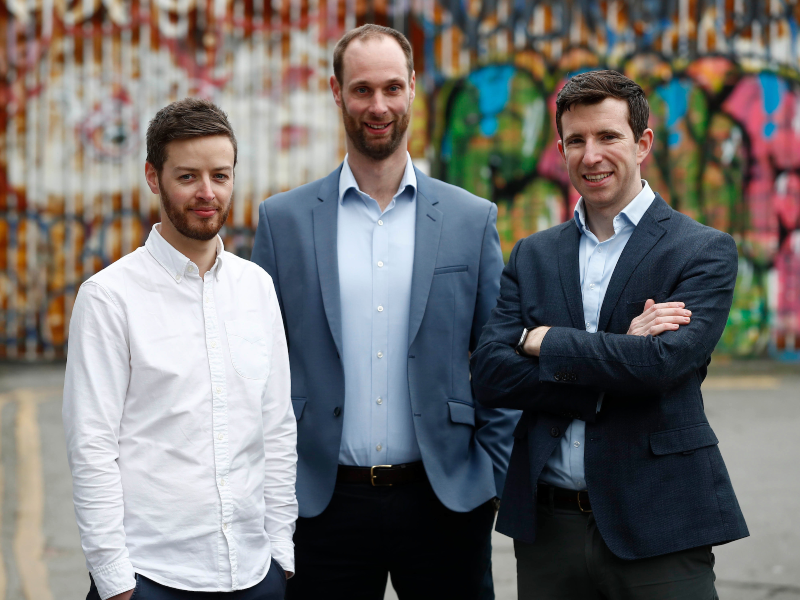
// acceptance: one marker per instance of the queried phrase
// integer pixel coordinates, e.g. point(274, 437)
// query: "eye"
point(185, 177)
point(221, 176)
point(361, 90)
point(394, 88)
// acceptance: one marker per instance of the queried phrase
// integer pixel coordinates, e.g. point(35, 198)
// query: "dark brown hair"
point(593, 87)
point(365, 33)
point(183, 120)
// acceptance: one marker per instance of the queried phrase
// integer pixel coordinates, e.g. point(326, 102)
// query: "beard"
point(203, 230)
point(374, 148)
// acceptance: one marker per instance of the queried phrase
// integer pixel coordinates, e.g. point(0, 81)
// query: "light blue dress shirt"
point(597, 260)
point(376, 259)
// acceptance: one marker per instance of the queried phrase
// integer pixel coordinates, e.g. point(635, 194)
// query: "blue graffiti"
point(675, 95)
point(494, 87)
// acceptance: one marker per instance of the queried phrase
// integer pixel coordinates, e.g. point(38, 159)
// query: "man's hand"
point(533, 343)
point(123, 596)
point(658, 318)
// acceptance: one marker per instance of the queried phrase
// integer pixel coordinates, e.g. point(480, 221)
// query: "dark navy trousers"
point(272, 587)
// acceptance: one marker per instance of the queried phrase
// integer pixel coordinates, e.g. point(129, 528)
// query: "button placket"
point(219, 416)
point(380, 337)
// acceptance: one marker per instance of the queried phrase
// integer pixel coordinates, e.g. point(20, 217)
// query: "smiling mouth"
point(594, 178)
point(378, 127)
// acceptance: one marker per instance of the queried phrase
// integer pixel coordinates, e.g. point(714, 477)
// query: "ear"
point(644, 145)
point(337, 91)
point(560, 145)
point(412, 85)
point(151, 175)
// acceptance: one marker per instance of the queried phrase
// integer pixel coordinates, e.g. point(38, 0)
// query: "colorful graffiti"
point(80, 80)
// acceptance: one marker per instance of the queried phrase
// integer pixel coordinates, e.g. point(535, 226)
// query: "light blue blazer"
point(457, 265)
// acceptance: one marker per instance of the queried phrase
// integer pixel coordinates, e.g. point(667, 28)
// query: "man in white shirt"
point(177, 412)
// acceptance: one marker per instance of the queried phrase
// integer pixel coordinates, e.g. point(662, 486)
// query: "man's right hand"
point(123, 596)
point(658, 318)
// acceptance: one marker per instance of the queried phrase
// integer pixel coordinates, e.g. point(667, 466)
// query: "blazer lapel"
point(325, 216)
point(427, 232)
point(569, 272)
point(643, 238)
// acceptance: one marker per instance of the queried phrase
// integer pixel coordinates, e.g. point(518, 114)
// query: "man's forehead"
point(216, 148)
point(598, 115)
point(380, 53)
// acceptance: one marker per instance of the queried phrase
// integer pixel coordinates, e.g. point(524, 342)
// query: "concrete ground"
point(753, 407)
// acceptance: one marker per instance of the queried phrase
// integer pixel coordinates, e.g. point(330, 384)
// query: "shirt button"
point(587, 325)
point(190, 268)
point(379, 400)
point(218, 390)
point(380, 263)
point(213, 343)
point(378, 447)
point(380, 222)
point(380, 354)
point(225, 526)
point(577, 444)
point(208, 299)
point(177, 278)
point(380, 309)
point(591, 286)
point(220, 436)
point(222, 482)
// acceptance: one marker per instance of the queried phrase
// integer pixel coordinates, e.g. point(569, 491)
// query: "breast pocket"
point(250, 348)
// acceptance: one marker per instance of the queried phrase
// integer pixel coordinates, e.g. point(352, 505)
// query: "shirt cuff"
point(283, 553)
point(115, 578)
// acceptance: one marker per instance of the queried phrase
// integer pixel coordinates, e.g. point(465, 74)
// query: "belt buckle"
point(373, 476)
point(579, 504)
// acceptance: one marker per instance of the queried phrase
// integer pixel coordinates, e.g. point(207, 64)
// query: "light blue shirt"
point(376, 259)
point(597, 260)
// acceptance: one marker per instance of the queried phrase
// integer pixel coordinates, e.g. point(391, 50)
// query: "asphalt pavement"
point(753, 407)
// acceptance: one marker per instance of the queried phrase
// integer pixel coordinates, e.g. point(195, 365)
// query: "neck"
point(379, 179)
point(200, 252)
point(600, 219)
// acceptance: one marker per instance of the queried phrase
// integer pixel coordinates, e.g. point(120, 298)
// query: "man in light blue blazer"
point(386, 277)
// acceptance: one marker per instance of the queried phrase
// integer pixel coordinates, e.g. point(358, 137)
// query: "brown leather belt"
point(382, 475)
point(563, 498)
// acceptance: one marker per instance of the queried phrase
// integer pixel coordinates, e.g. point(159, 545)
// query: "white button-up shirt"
point(179, 425)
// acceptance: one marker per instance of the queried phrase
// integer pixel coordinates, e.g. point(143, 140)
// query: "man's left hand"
point(533, 343)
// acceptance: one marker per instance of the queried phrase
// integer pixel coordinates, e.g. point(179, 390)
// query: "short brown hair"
point(593, 87)
point(365, 33)
point(183, 120)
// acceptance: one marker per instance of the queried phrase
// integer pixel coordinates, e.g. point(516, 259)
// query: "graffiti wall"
point(80, 79)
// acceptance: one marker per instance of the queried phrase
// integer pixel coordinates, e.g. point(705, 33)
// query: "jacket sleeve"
point(503, 378)
point(264, 254)
point(493, 425)
point(631, 364)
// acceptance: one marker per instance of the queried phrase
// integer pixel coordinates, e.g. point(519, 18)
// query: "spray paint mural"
point(79, 80)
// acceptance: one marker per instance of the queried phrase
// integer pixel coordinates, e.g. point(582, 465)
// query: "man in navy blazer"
point(385, 278)
point(602, 334)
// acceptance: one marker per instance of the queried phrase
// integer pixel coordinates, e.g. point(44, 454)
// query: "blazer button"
point(555, 432)
point(337, 411)
point(557, 376)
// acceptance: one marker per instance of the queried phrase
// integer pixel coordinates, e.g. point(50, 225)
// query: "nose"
point(378, 106)
point(205, 191)
point(591, 153)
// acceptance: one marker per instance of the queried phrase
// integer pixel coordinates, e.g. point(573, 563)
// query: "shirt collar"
point(175, 263)
point(633, 212)
point(347, 180)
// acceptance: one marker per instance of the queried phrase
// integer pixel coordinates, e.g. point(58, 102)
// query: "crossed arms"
point(659, 350)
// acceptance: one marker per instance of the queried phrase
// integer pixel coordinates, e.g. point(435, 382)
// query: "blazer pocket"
point(461, 412)
point(249, 348)
point(298, 404)
point(453, 269)
point(685, 439)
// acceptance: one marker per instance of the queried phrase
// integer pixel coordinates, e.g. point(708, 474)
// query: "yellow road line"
point(29, 536)
point(742, 382)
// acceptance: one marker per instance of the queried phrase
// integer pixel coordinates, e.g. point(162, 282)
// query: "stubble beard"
point(179, 217)
point(377, 150)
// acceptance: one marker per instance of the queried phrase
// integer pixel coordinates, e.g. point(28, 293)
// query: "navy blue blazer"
point(656, 479)
point(456, 278)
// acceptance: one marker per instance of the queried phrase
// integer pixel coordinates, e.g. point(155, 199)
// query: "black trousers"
point(570, 561)
point(368, 532)
point(272, 587)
